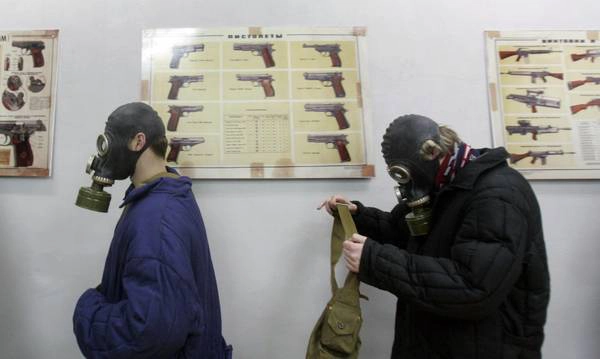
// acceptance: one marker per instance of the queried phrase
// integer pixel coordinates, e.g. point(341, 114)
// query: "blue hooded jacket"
point(158, 297)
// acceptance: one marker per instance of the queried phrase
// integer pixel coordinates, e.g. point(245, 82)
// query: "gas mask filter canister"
point(94, 197)
point(418, 220)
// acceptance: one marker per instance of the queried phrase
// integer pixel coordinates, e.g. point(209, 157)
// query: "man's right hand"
point(332, 201)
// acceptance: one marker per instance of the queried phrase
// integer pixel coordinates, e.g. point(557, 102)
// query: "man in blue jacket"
point(158, 297)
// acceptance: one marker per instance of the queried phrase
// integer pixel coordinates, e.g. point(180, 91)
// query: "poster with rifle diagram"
point(27, 84)
point(260, 102)
point(544, 95)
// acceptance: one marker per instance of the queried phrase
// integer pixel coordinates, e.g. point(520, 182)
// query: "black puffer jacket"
point(478, 285)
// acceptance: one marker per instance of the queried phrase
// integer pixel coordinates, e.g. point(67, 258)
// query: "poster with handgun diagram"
point(27, 84)
point(544, 95)
point(260, 102)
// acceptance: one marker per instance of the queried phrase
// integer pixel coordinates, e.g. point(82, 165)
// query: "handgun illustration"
point(176, 112)
point(587, 55)
point(33, 48)
point(524, 127)
point(178, 82)
point(533, 99)
point(328, 79)
point(331, 50)
point(178, 144)
point(264, 80)
point(523, 53)
point(338, 142)
point(535, 155)
point(534, 75)
point(183, 51)
point(336, 110)
point(265, 50)
point(584, 106)
point(17, 133)
point(588, 80)
point(36, 85)
point(13, 102)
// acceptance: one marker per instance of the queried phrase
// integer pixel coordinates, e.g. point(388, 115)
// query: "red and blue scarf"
point(453, 162)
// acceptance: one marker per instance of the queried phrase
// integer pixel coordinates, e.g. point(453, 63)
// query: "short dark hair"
point(159, 147)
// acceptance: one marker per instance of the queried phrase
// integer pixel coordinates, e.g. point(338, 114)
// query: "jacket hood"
point(181, 184)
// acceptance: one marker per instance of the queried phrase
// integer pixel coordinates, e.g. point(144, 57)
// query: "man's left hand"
point(353, 250)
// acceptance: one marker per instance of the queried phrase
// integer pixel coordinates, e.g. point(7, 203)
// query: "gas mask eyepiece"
point(94, 197)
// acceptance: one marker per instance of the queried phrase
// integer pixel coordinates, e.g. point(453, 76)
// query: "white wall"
point(269, 244)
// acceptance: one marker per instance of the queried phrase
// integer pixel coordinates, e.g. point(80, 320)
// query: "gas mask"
point(410, 150)
point(114, 160)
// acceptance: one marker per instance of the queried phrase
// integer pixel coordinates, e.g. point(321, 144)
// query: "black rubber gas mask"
point(410, 150)
point(114, 160)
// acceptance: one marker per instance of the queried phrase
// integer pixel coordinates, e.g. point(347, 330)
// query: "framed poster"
point(28, 86)
point(260, 102)
point(544, 95)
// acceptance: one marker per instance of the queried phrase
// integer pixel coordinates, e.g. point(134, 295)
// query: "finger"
point(357, 238)
point(347, 245)
point(349, 260)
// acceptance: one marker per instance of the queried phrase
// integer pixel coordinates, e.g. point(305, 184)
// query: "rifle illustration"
point(533, 99)
point(178, 144)
point(264, 80)
point(336, 110)
point(328, 79)
point(523, 53)
point(584, 106)
point(524, 127)
point(13, 102)
point(588, 55)
point(177, 112)
point(17, 133)
point(535, 75)
point(338, 142)
point(331, 50)
point(535, 155)
point(181, 81)
point(265, 50)
point(33, 48)
point(588, 79)
point(183, 51)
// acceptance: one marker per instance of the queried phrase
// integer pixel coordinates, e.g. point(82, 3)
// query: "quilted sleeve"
point(485, 260)
point(383, 227)
point(152, 322)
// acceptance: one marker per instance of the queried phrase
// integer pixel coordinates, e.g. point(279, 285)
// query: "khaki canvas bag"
point(336, 333)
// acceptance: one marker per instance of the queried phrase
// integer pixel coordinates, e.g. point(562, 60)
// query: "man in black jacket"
point(463, 250)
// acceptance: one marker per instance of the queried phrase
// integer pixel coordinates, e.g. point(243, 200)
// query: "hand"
point(330, 203)
point(353, 251)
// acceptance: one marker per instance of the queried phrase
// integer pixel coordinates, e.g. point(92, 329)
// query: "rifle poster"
point(27, 83)
point(544, 95)
point(260, 102)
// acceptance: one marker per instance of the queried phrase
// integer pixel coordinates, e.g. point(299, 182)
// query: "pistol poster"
point(28, 80)
point(260, 102)
point(544, 94)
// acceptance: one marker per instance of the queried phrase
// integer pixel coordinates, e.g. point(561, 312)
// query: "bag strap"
point(343, 228)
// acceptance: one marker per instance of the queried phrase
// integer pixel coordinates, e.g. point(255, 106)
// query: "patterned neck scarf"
point(453, 162)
